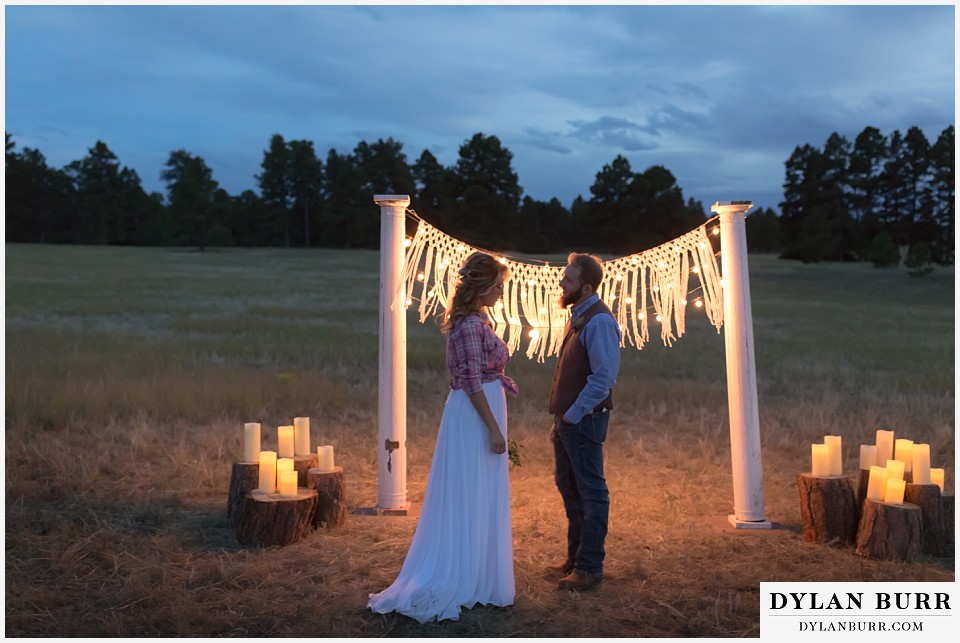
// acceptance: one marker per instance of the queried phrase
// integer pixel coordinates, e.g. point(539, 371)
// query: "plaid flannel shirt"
point(475, 356)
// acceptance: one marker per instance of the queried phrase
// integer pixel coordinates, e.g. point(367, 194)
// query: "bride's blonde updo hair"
point(478, 275)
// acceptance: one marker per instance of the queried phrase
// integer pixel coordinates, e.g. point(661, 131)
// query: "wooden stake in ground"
point(275, 520)
point(828, 508)
point(927, 497)
point(889, 532)
point(332, 497)
point(243, 479)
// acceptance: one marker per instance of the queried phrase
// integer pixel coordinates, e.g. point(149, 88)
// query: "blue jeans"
point(578, 451)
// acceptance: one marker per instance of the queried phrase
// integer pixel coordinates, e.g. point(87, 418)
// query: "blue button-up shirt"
point(601, 338)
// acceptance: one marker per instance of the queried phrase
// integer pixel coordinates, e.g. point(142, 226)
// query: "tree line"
point(867, 199)
point(306, 201)
point(845, 202)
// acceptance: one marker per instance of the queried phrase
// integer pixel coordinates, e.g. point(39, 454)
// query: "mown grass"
point(129, 373)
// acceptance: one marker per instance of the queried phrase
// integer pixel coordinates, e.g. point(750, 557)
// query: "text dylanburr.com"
point(856, 611)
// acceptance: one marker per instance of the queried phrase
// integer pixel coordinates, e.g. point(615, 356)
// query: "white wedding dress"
point(462, 550)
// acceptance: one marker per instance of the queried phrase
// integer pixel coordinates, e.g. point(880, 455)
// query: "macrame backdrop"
point(653, 283)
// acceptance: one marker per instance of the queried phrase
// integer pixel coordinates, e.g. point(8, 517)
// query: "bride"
point(462, 550)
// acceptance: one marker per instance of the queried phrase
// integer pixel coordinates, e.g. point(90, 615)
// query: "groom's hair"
point(591, 268)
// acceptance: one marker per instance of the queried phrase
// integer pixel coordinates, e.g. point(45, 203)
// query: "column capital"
point(731, 207)
point(401, 200)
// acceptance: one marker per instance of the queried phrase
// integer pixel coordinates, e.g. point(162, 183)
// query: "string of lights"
point(654, 283)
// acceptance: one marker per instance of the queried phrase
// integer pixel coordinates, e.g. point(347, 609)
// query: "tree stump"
point(949, 529)
point(828, 508)
point(332, 497)
point(244, 478)
point(302, 464)
point(863, 482)
point(271, 519)
point(927, 497)
point(889, 532)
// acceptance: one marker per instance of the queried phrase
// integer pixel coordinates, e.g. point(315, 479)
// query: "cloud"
point(611, 131)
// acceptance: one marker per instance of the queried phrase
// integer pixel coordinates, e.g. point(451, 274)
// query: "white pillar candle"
point(834, 454)
point(285, 441)
point(884, 446)
point(288, 484)
point(877, 485)
point(903, 451)
point(821, 459)
point(894, 470)
point(301, 436)
point(921, 464)
point(268, 471)
point(868, 456)
point(251, 442)
point(325, 458)
point(936, 477)
point(894, 494)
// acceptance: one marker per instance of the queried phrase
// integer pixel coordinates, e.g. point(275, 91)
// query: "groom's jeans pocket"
point(592, 427)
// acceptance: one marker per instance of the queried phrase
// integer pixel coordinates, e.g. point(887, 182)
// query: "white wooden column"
point(392, 400)
point(741, 368)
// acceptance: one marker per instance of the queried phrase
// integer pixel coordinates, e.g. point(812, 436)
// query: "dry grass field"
point(129, 374)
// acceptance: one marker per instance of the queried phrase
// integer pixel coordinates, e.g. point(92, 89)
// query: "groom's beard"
point(567, 300)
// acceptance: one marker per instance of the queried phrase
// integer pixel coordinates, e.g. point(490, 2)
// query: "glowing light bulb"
point(619, 277)
point(460, 247)
point(698, 304)
point(656, 289)
point(420, 277)
point(503, 260)
point(534, 333)
point(430, 294)
point(543, 310)
point(696, 269)
point(659, 318)
point(629, 300)
point(407, 243)
point(634, 261)
point(716, 231)
point(663, 265)
point(523, 295)
point(702, 245)
point(532, 282)
point(683, 302)
point(409, 301)
point(640, 315)
point(721, 283)
point(612, 297)
point(677, 248)
point(499, 305)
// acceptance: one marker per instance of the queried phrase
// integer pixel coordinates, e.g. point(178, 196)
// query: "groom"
point(580, 399)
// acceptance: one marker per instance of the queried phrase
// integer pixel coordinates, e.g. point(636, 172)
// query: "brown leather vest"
point(573, 367)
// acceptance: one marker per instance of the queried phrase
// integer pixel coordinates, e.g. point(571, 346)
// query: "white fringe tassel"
point(657, 279)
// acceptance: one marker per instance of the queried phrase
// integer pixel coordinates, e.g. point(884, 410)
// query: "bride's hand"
point(498, 444)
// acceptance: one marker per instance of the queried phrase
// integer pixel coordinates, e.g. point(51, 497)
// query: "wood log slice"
point(302, 464)
point(332, 497)
point(863, 482)
point(927, 497)
point(889, 532)
point(244, 478)
point(828, 508)
point(272, 519)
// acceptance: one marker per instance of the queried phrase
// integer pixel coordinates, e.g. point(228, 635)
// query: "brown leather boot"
point(579, 581)
point(564, 567)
